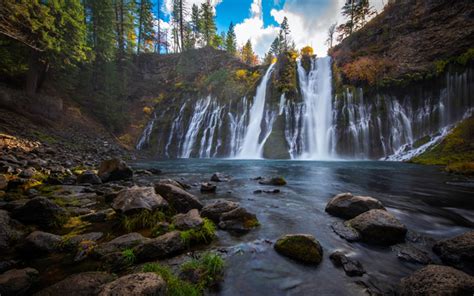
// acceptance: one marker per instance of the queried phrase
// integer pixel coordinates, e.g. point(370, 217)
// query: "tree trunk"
point(181, 25)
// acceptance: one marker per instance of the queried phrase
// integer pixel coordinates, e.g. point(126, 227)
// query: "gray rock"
point(42, 212)
point(300, 247)
point(208, 187)
point(121, 243)
point(275, 181)
point(138, 198)
point(408, 252)
point(437, 280)
point(114, 170)
point(351, 267)
point(378, 227)
point(163, 246)
point(218, 177)
point(81, 284)
point(182, 201)
point(215, 210)
point(8, 232)
point(174, 183)
point(238, 220)
point(91, 236)
point(145, 283)
point(28, 173)
point(190, 220)
point(88, 177)
point(457, 251)
point(348, 206)
point(39, 241)
point(17, 281)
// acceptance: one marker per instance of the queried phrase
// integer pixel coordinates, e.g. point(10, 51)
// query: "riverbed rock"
point(351, 266)
point(138, 198)
point(88, 177)
point(437, 280)
point(190, 220)
point(457, 251)
point(181, 200)
point(173, 182)
point(145, 283)
point(215, 210)
point(162, 246)
point(410, 253)
point(208, 187)
point(378, 227)
point(346, 232)
point(8, 232)
point(238, 220)
point(81, 284)
point(3, 182)
point(18, 281)
point(42, 212)
point(218, 177)
point(348, 206)
point(114, 170)
point(121, 243)
point(39, 241)
point(275, 181)
point(300, 247)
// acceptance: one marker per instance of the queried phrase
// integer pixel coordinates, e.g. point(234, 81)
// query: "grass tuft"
point(176, 286)
point(144, 219)
point(204, 234)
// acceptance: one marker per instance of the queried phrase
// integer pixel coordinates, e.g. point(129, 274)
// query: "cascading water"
point(252, 144)
point(316, 89)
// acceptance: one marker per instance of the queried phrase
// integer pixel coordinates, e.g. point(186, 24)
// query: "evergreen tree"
point(195, 21)
point(284, 33)
point(247, 54)
point(275, 47)
point(208, 26)
point(231, 40)
point(144, 25)
point(356, 12)
point(331, 31)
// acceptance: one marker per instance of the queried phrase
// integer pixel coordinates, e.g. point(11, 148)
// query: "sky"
point(258, 20)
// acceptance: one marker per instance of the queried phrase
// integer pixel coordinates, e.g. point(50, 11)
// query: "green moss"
point(45, 138)
point(455, 150)
point(209, 265)
point(175, 286)
point(301, 248)
point(204, 234)
point(142, 220)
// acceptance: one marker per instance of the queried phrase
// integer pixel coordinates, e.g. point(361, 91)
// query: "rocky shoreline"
point(108, 230)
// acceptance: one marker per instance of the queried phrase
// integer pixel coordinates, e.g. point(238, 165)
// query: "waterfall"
point(194, 126)
point(145, 138)
point(251, 145)
point(316, 89)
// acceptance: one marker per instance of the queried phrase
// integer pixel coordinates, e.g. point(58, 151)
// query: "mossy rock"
point(300, 247)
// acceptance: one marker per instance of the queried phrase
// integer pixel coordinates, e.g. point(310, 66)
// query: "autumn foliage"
point(307, 51)
point(366, 70)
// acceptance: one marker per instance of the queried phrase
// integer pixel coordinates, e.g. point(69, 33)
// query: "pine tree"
point(195, 22)
point(357, 12)
point(208, 26)
point(275, 47)
point(231, 40)
point(247, 54)
point(331, 31)
point(144, 25)
point(284, 33)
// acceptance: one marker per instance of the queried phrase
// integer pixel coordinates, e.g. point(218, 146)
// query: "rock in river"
point(238, 220)
point(348, 206)
point(351, 267)
point(163, 246)
point(207, 187)
point(190, 220)
point(378, 227)
point(437, 280)
point(181, 200)
point(457, 251)
point(275, 181)
point(218, 177)
point(300, 247)
point(138, 198)
point(215, 210)
point(114, 170)
point(145, 283)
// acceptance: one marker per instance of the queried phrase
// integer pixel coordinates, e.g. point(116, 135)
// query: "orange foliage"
point(366, 69)
point(307, 51)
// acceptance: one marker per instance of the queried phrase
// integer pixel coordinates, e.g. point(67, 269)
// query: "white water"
point(316, 88)
point(195, 126)
point(145, 138)
point(251, 145)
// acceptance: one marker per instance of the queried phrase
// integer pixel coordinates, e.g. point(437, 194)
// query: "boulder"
point(145, 283)
point(190, 220)
point(138, 198)
point(121, 243)
point(8, 233)
point(42, 212)
point(114, 170)
point(275, 181)
point(3, 182)
point(39, 241)
point(300, 247)
point(238, 220)
point(173, 182)
point(348, 206)
point(160, 247)
point(81, 284)
point(27, 173)
point(218, 177)
point(182, 201)
point(91, 236)
point(409, 253)
point(88, 177)
point(457, 251)
point(351, 267)
point(215, 210)
point(378, 227)
point(437, 280)
point(18, 281)
point(208, 187)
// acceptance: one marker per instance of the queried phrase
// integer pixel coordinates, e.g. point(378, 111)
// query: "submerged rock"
point(348, 206)
point(218, 177)
point(378, 227)
point(437, 280)
point(138, 198)
point(42, 212)
point(238, 220)
point(208, 187)
point(145, 283)
point(190, 220)
point(351, 267)
point(88, 177)
point(457, 251)
point(275, 181)
point(163, 246)
point(114, 170)
point(182, 201)
point(300, 247)
point(18, 281)
point(215, 210)
point(81, 284)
